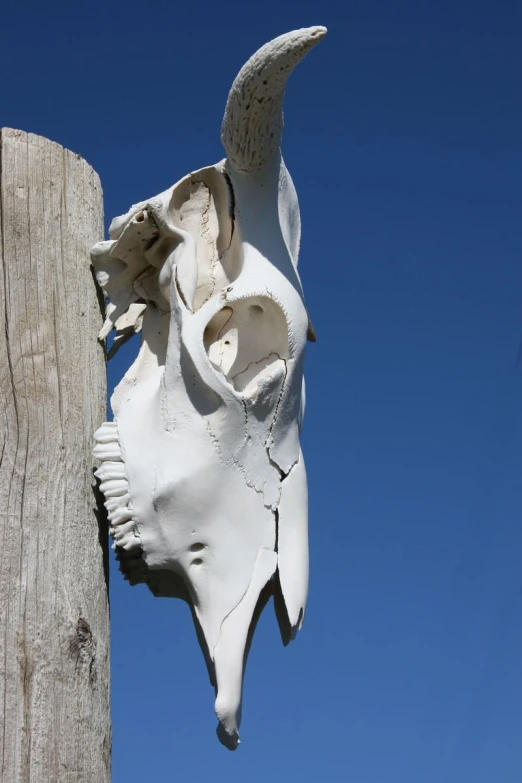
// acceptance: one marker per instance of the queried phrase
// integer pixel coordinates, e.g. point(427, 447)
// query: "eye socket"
point(248, 340)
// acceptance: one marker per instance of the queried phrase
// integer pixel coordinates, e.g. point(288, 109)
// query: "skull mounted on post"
point(201, 469)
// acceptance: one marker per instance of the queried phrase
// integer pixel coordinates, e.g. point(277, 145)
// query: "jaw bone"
point(201, 469)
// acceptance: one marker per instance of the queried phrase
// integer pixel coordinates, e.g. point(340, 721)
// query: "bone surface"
point(202, 472)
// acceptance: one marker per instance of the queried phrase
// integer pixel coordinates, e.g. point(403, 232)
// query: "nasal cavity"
point(197, 547)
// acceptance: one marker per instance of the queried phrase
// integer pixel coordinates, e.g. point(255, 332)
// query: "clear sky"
point(403, 136)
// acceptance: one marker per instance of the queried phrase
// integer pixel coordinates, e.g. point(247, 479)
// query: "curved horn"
point(253, 121)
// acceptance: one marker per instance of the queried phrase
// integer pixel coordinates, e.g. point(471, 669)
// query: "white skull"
point(201, 469)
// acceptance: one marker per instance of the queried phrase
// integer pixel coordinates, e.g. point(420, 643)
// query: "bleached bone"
point(202, 472)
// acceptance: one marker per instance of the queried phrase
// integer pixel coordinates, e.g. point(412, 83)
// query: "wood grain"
point(54, 623)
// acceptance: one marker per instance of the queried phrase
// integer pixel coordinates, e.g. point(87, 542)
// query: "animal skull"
point(201, 468)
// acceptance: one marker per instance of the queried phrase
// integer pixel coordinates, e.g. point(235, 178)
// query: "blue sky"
point(403, 137)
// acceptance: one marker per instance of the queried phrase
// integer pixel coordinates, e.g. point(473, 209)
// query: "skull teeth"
point(107, 451)
point(107, 432)
point(110, 470)
point(111, 504)
point(123, 528)
point(115, 487)
point(131, 544)
point(120, 515)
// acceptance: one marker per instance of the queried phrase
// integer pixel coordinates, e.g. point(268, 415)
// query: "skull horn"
point(253, 120)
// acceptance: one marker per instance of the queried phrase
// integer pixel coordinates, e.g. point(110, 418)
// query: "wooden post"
point(54, 624)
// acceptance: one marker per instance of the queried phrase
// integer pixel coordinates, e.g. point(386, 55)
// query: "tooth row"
point(110, 451)
point(129, 540)
point(115, 487)
point(111, 504)
point(122, 529)
point(110, 470)
point(120, 515)
point(107, 432)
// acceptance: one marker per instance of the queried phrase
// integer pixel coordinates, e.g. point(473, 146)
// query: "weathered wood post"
point(54, 624)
